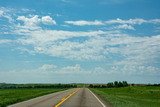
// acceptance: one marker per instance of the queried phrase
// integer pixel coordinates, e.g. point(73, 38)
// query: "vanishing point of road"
point(77, 97)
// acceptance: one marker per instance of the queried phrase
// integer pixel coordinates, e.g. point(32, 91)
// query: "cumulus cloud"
point(36, 20)
point(122, 50)
point(100, 45)
point(48, 20)
point(97, 45)
point(33, 21)
point(45, 41)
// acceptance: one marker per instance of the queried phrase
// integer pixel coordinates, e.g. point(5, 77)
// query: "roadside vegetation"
point(130, 96)
point(30, 86)
point(13, 93)
point(110, 85)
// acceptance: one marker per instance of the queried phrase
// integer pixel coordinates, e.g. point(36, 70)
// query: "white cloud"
point(4, 41)
point(6, 13)
point(54, 69)
point(84, 23)
point(48, 20)
point(99, 45)
point(45, 41)
point(155, 21)
point(129, 22)
point(35, 20)
point(124, 26)
point(1, 13)
point(138, 53)
point(117, 21)
point(59, 73)
point(132, 54)
point(134, 70)
point(47, 67)
point(70, 69)
point(40, 36)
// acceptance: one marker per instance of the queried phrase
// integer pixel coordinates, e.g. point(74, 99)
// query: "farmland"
point(10, 96)
point(13, 93)
point(132, 96)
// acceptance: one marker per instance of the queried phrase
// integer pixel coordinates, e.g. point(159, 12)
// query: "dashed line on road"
point(97, 98)
point(65, 98)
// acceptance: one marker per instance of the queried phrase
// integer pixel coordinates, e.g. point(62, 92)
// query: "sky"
point(79, 41)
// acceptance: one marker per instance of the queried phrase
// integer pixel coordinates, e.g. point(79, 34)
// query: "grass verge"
point(11, 96)
point(136, 96)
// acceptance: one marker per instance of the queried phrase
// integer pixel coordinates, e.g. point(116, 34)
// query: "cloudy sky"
point(79, 41)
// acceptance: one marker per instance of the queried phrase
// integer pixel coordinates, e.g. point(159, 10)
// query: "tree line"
point(110, 85)
point(15, 86)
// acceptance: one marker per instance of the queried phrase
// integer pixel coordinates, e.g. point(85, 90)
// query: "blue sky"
point(79, 41)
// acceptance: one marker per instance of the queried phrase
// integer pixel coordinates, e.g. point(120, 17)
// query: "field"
point(10, 96)
point(135, 96)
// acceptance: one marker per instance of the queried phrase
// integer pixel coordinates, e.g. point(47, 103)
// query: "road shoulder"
point(105, 102)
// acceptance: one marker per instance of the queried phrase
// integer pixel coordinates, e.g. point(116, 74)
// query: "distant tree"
point(90, 85)
point(103, 86)
point(116, 84)
point(109, 85)
point(120, 84)
point(15, 86)
point(124, 83)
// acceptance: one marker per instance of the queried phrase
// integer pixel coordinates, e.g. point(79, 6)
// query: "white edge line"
point(97, 98)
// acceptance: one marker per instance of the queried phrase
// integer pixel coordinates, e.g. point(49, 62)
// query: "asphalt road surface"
point(77, 97)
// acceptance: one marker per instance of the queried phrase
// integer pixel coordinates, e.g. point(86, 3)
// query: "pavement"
point(77, 97)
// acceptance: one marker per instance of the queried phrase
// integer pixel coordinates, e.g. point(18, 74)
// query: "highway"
point(77, 97)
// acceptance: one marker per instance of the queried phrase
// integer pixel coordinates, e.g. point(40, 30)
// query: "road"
point(77, 97)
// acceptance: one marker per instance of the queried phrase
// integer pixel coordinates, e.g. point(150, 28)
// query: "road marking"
point(97, 98)
point(65, 98)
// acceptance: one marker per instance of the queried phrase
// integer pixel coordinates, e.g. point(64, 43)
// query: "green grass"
point(137, 96)
point(11, 96)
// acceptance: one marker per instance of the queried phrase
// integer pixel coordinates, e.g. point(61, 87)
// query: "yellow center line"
point(65, 98)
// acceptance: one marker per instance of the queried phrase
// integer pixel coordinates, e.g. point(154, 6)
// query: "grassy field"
point(10, 96)
point(137, 96)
